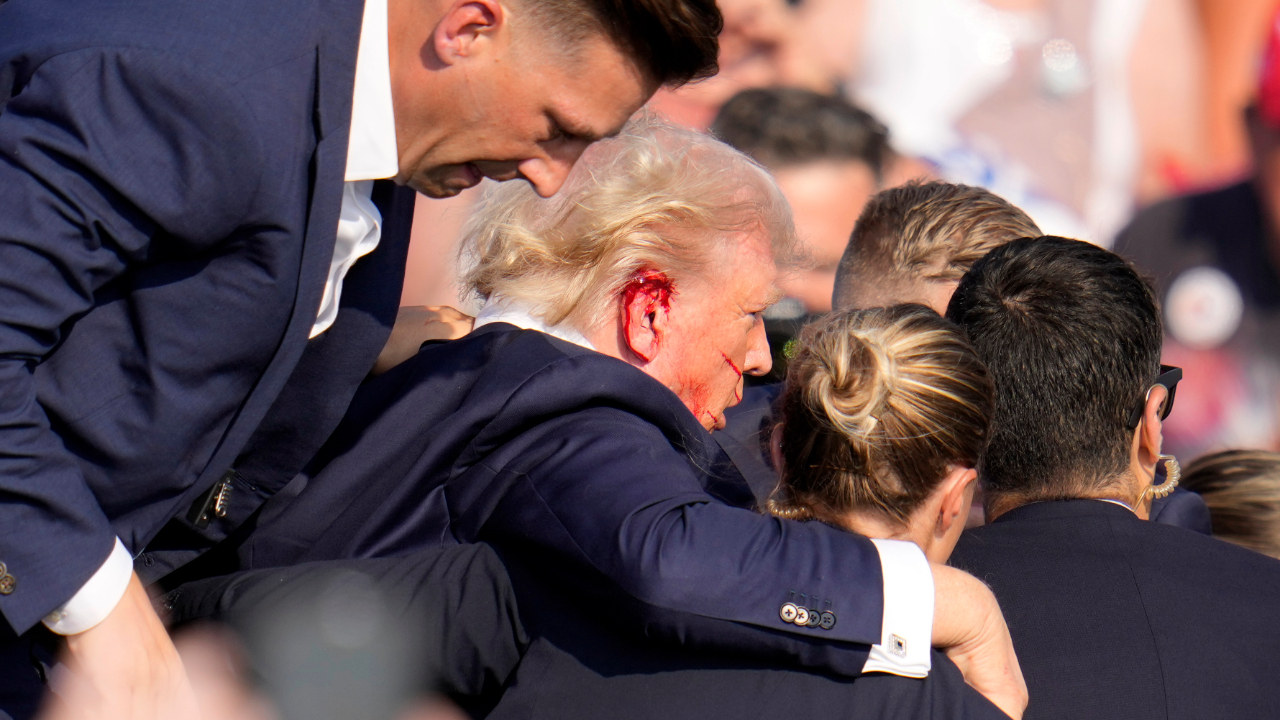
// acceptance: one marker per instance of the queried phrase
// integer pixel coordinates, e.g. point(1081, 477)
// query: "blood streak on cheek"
point(737, 394)
point(732, 364)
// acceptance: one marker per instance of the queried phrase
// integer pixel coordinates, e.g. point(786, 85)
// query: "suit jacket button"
point(828, 620)
point(7, 584)
point(802, 616)
point(814, 618)
point(788, 612)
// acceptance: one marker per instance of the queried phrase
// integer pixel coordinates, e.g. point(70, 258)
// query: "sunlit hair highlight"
point(1242, 490)
point(657, 198)
point(879, 405)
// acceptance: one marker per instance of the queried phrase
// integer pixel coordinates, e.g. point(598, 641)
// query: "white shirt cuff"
point(97, 598)
point(907, 632)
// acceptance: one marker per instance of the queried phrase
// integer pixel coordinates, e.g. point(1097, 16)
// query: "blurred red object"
point(1269, 83)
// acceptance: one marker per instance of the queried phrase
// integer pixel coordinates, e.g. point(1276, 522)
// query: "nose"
point(547, 174)
point(759, 359)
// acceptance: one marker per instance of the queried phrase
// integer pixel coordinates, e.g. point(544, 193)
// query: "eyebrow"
point(773, 297)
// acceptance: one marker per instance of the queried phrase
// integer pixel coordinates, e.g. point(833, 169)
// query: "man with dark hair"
point(778, 127)
point(1106, 610)
point(828, 157)
point(203, 245)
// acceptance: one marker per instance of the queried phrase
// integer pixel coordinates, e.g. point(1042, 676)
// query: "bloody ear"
point(646, 302)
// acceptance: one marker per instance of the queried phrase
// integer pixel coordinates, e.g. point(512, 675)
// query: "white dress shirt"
point(906, 630)
point(502, 310)
point(371, 155)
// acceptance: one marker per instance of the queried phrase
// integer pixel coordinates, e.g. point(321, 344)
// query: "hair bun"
point(878, 405)
point(854, 378)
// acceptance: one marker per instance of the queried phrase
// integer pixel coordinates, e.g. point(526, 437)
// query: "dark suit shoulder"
point(232, 37)
point(1096, 598)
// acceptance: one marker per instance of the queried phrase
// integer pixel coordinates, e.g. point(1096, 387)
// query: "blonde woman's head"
point(1242, 490)
point(885, 415)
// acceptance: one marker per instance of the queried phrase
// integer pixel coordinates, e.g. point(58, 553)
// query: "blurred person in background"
point(1235, 36)
point(1215, 260)
point(570, 430)
point(1112, 616)
point(202, 247)
point(1074, 111)
point(1242, 490)
point(761, 45)
point(828, 157)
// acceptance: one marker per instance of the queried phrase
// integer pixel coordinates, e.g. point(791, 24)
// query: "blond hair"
point(879, 405)
point(1242, 490)
point(655, 198)
point(928, 231)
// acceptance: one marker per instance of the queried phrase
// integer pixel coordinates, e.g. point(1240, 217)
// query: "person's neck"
point(998, 504)
point(874, 525)
point(607, 339)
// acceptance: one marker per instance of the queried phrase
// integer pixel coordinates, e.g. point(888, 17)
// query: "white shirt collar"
point(372, 153)
point(514, 313)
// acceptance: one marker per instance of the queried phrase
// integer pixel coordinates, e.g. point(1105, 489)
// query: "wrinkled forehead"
point(742, 268)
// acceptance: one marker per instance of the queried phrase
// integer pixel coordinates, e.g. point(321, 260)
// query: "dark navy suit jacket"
point(171, 174)
point(579, 666)
point(1116, 617)
point(591, 474)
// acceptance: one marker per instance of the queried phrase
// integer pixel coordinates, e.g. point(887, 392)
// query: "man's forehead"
point(751, 273)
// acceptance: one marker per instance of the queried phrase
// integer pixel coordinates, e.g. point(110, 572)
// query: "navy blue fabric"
point(1183, 509)
point(745, 438)
point(591, 473)
point(172, 175)
point(580, 666)
point(1116, 617)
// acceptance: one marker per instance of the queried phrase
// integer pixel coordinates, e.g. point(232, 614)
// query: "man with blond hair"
point(570, 431)
point(914, 243)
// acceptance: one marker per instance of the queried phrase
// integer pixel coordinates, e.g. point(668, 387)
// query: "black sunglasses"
point(1169, 377)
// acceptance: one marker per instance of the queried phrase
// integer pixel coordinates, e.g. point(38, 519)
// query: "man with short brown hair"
point(914, 243)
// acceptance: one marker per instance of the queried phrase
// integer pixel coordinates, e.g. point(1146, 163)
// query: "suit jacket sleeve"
point(611, 495)
point(108, 158)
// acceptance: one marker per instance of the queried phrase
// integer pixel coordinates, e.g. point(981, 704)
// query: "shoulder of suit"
point(230, 38)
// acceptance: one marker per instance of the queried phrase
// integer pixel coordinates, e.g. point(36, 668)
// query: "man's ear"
point(465, 26)
point(1148, 438)
point(955, 498)
point(645, 308)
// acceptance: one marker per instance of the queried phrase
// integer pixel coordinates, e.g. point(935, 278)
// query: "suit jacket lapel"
point(337, 44)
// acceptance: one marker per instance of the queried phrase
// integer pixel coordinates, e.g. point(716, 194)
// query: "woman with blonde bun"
point(885, 415)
